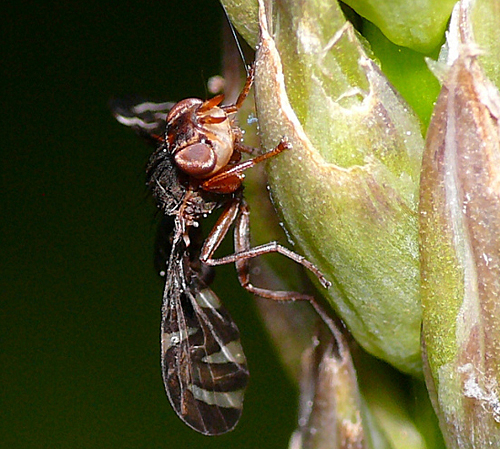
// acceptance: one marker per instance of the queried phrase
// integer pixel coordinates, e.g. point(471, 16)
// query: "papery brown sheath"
point(196, 169)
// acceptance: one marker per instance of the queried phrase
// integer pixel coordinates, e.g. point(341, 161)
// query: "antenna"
point(236, 39)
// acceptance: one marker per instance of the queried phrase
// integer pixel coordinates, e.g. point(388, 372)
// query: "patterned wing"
point(147, 118)
point(203, 364)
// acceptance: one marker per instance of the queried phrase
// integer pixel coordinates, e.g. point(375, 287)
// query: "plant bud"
point(331, 409)
point(348, 188)
point(460, 248)
point(417, 24)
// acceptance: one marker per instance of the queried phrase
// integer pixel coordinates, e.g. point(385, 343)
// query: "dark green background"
point(80, 299)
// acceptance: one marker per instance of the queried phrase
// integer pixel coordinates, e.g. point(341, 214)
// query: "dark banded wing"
point(203, 364)
point(145, 117)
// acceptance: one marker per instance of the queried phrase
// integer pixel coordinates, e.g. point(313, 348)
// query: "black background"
point(80, 299)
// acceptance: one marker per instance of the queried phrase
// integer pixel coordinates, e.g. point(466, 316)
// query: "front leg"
point(229, 179)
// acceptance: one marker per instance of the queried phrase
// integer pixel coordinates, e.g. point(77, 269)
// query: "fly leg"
point(229, 179)
point(237, 211)
point(233, 108)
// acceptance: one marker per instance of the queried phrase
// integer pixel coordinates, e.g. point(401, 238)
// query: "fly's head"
point(200, 136)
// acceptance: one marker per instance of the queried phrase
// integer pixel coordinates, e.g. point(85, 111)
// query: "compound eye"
point(197, 160)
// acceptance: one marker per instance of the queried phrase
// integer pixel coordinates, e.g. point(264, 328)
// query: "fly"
point(196, 169)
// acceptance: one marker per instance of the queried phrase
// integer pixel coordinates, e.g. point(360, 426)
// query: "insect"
point(196, 169)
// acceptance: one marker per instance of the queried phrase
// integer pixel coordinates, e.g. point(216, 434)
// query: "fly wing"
point(147, 118)
point(203, 364)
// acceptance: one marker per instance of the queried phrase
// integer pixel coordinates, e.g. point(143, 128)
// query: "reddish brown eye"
point(196, 160)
